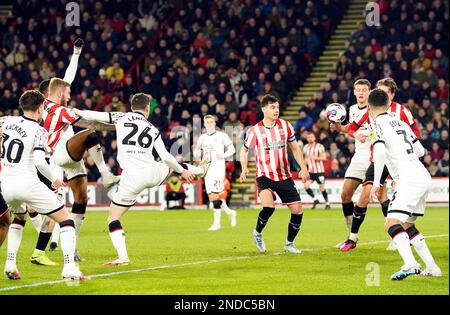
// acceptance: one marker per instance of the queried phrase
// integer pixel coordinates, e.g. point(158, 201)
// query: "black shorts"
point(317, 177)
point(370, 174)
point(285, 189)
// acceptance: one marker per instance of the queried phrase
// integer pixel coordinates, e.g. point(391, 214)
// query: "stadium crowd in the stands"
point(217, 57)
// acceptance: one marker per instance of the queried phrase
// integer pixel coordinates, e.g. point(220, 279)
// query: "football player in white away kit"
point(219, 147)
point(396, 146)
point(24, 147)
point(136, 138)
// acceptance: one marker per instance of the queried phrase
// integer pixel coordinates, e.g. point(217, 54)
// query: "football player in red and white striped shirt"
point(270, 139)
point(315, 155)
point(67, 148)
point(389, 86)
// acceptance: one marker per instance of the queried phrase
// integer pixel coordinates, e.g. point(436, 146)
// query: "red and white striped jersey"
point(58, 121)
point(312, 151)
point(396, 110)
point(270, 144)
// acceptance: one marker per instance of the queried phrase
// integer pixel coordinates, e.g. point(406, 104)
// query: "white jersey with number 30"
point(135, 140)
point(21, 137)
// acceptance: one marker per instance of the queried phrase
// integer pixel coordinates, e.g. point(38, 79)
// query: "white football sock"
point(118, 240)
point(68, 244)
point(353, 237)
point(217, 216)
point(422, 250)
point(55, 233)
point(37, 222)
point(225, 207)
point(97, 155)
point(78, 220)
point(402, 242)
point(14, 239)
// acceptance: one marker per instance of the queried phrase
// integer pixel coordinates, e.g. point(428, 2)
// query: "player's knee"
point(114, 226)
point(91, 140)
point(4, 221)
point(346, 197)
point(79, 208)
point(217, 203)
point(66, 223)
point(390, 223)
point(296, 209)
point(411, 230)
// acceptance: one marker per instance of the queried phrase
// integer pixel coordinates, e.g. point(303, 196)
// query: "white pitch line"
point(193, 263)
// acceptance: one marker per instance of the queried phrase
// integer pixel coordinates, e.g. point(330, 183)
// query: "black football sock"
point(294, 226)
point(359, 215)
point(263, 217)
point(384, 207)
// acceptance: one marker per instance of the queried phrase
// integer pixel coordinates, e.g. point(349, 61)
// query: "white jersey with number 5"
point(135, 140)
point(21, 137)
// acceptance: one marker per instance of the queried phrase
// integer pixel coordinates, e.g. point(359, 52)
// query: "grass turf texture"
point(169, 238)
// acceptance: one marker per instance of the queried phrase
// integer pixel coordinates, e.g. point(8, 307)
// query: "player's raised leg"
point(87, 140)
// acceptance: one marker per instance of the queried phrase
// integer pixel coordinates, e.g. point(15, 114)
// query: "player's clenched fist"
point(244, 174)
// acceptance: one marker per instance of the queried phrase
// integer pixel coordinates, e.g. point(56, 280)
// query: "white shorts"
point(133, 182)
point(409, 199)
point(357, 168)
point(61, 157)
point(214, 179)
point(29, 191)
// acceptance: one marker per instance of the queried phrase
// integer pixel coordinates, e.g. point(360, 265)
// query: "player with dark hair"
point(402, 113)
point(136, 138)
point(24, 146)
point(396, 147)
point(270, 139)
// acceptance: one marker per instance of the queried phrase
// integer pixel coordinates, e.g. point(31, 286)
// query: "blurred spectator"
point(304, 121)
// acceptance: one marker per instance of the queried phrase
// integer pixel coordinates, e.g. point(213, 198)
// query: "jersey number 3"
point(8, 153)
point(144, 139)
point(405, 137)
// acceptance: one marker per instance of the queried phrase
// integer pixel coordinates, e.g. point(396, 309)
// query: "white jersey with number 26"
point(135, 140)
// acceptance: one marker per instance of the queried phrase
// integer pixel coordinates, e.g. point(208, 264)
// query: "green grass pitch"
point(172, 252)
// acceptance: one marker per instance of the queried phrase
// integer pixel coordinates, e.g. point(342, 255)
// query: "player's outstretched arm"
point(95, 120)
point(71, 71)
point(298, 155)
